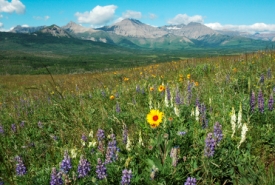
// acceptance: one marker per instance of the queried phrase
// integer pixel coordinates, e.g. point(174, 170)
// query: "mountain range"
point(135, 34)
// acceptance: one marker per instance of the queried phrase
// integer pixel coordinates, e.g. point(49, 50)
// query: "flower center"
point(155, 118)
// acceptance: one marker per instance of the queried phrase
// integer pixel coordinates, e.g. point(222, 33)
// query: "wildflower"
point(243, 134)
point(150, 102)
point(13, 128)
point(126, 177)
point(118, 110)
point(1, 130)
point(125, 79)
point(100, 134)
point(270, 102)
point(261, 79)
point(181, 133)
point(40, 124)
point(188, 76)
point(73, 153)
point(154, 172)
point(166, 102)
point(84, 138)
point(101, 170)
point(233, 121)
point(154, 118)
point(240, 116)
point(252, 102)
point(189, 92)
point(190, 181)
point(140, 138)
point(128, 145)
point(83, 167)
point(178, 98)
point(103, 93)
point(20, 167)
point(151, 89)
point(234, 69)
point(161, 88)
point(209, 145)
point(261, 102)
point(124, 134)
point(218, 132)
point(66, 164)
point(56, 178)
point(177, 111)
point(197, 113)
point(111, 151)
point(22, 124)
point(173, 155)
point(91, 134)
point(196, 84)
point(112, 97)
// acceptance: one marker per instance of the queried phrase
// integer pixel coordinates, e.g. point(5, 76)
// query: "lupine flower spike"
point(101, 169)
point(210, 144)
point(83, 167)
point(126, 177)
point(56, 177)
point(190, 181)
point(66, 163)
point(20, 167)
point(243, 135)
point(233, 121)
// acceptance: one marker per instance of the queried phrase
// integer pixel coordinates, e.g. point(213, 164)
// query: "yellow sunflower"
point(154, 118)
point(161, 88)
point(151, 89)
point(188, 76)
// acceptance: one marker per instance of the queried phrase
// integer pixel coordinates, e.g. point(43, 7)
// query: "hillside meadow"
point(190, 121)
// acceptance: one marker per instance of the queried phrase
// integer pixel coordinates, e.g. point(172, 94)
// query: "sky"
point(236, 15)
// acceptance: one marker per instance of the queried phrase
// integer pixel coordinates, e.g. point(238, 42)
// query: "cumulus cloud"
point(257, 27)
point(41, 18)
point(185, 19)
point(129, 14)
point(13, 6)
point(25, 26)
point(98, 16)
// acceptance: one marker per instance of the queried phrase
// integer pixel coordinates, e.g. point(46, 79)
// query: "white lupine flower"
point(171, 100)
point(166, 102)
point(210, 101)
point(240, 116)
point(197, 113)
point(73, 153)
point(140, 139)
point(233, 121)
point(177, 111)
point(83, 142)
point(128, 145)
point(91, 134)
point(243, 135)
point(150, 102)
point(92, 144)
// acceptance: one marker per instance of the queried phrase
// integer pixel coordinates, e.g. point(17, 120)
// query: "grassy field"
point(211, 119)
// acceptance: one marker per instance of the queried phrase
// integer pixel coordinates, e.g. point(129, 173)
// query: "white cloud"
point(185, 19)
point(25, 26)
point(131, 14)
point(152, 16)
point(13, 6)
point(41, 18)
point(257, 27)
point(98, 16)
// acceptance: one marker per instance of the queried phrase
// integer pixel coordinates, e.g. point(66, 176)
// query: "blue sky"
point(241, 15)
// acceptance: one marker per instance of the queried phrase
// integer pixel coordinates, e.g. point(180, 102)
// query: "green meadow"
point(149, 119)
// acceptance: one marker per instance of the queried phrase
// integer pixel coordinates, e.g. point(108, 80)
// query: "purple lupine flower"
point(178, 98)
point(252, 102)
point(66, 164)
point(2, 182)
point(197, 104)
point(83, 167)
point(261, 101)
point(84, 137)
point(20, 167)
point(100, 137)
point(40, 124)
point(190, 181)
point(126, 177)
point(56, 177)
point(168, 93)
point(181, 133)
point(269, 76)
point(103, 93)
point(189, 92)
point(111, 151)
point(218, 132)
point(118, 110)
point(262, 78)
point(124, 134)
point(210, 144)
point(270, 103)
point(13, 127)
point(1, 130)
point(101, 169)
